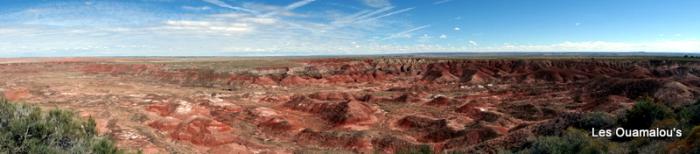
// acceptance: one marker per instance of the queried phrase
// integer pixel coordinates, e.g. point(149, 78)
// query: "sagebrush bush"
point(26, 129)
point(668, 123)
point(644, 114)
point(689, 144)
point(573, 141)
point(598, 120)
point(420, 149)
point(691, 115)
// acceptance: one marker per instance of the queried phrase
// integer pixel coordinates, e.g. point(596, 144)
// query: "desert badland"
point(343, 105)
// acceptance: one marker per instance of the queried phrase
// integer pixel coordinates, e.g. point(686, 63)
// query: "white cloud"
point(195, 8)
point(7, 31)
point(99, 14)
point(298, 4)
point(473, 46)
point(288, 8)
point(473, 43)
point(69, 42)
point(226, 5)
point(329, 31)
point(425, 39)
point(218, 3)
point(188, 23)
point(230, 15)
point(366, 19)
point(208, 26)
point(386, 15)
point(578, 24)
point(406, 33)
point(658, 46)
point(362, 15)
point(233, 32)
point(261, 20)
point(377, 3)
point(441, 2)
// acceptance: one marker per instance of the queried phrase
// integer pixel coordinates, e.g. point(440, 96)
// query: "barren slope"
point(339, 105)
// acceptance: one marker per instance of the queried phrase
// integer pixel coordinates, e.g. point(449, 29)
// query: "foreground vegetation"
point(26, 129)
point(645, 114)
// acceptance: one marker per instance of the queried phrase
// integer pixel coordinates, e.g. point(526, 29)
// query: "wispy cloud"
point(195, 8)
point(123, 28)
point(7, 31)
point(361, 15)
point(373, 13)
point(367, 16)
point(441, 2)
point(298, 4)
point(226, 5)
point(288, 7)
point(207, 26)
point(406, 33)
point(377, 3)
point(473, 43)
point(658, 46)
point(386, 15)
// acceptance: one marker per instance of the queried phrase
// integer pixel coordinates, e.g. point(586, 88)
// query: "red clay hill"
point(361, 105)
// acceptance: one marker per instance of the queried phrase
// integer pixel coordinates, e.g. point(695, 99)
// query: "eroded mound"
point(361, 105)
point(428, 129)
point(336, 110)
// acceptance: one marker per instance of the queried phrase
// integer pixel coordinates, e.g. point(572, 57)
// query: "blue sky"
point(312, 27)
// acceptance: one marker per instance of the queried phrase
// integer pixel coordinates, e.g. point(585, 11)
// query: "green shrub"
point(692, 141)
point(689, 144)
point(105, 147)
point(668, 123)
point(312, 73)
point(598, 120)
point(645, 113)
point(138, 117)
point(573, 141)
point(650, 147)
point(691, 114)
point(26, 129)
point(421, 149)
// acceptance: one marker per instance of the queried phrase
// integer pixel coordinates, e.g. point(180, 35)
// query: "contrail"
point(388, 14)
point(226, 5)
point(403, 33)
point(289, 7)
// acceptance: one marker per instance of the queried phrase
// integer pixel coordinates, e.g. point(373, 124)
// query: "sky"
point(342, 27)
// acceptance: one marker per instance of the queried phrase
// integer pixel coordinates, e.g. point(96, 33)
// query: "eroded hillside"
point(341, 105)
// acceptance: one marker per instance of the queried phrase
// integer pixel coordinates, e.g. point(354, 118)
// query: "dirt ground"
point(338, 105)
